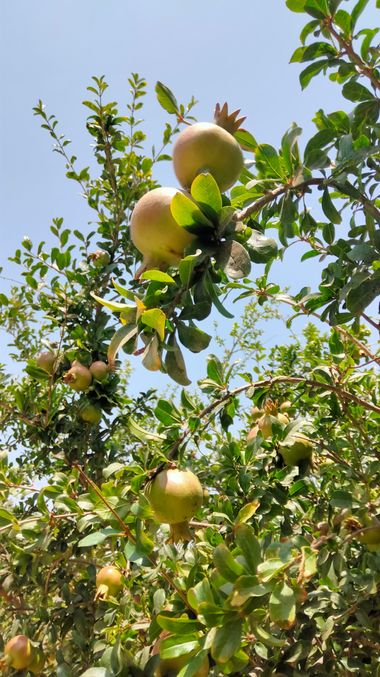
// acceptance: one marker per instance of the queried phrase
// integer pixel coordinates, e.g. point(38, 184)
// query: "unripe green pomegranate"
point(169, 667)
point(99, 370)
point(109, 581)
point(300, 450)
point(155, 233)
point(174, 495)
point(38, 662)
point(47, 361)
point(100, 258)
point(371, 536)
point(79, 378)
point(19, 652)
point(207, 147)
point(90, 413)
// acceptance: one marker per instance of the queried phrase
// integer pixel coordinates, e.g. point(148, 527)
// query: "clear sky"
point(215, 50)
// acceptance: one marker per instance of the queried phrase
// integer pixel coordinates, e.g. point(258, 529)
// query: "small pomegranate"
point(209, 147)
point(79, 378)
point(282, 418)
point(19, 652)
point(155, 233)
point(171, 666)
point(38, 662)
point(109, 581)
point(99, 370)
point(47, 361)
point(300, 450)
point(100, 258)
point(265, 425)
point(90, 413)
point(175, 496)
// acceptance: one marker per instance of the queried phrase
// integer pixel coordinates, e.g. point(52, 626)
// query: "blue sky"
point(214, 50)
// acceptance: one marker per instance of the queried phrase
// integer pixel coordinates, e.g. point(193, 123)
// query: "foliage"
point(282, 573)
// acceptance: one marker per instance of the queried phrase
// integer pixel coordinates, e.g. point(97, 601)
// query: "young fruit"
point(175, 496)
point(300, 450)
point(99, 371)
point(155, 233)
point(100, 258)
point(168, 667)
point(38, 662)
point(19, 652)
point(371, 535)
point(90, 413)
point(79, 378)
point(206, 147)
point(282, 418)
point(47, 361)
point(109, 581)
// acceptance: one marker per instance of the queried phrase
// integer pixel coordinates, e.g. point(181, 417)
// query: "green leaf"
point(282, 605)
point(226, 563)
point(172, 647)
point(212, 291)
point(357, 10)
point(96, 672)
point(178, 626)
point(97, 537)
point(317, 8)
point(166, 98)
point(123, 291)
point(119, 339)
point(328, 232)
point(268, 639)
point(206, 193)
point(329, 208)
point(311, 71)
point(187, 266)
point(156, 319)
point(201, 593)
point(234, 259)
point(354, 91)
point(313, 51)
point(362, 295)
point(270, 568)
point(193, 338)
point(157, 276)
point(141, 433)
point(6, 517)
point(186, 213)
point(296, 5)
point(247, 587)
point(268, 161)
point(37, 373)
point(227, 640)
point(194, 666)
point(175, 364)
point(249, 545)
point(245, 140)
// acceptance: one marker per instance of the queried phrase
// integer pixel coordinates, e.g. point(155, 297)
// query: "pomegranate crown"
point(229, 121)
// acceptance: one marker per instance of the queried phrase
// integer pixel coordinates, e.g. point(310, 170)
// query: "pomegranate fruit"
point(207, 147)
point(99, 371)
point(19, 652)
point(79, 378)
point(100, 258)
point(169, 667)
point(300, 450)
point(47, 361)
point(38, 662)
point(175, 496)
point(109, 581)
point(90, 413)
point(371, 536)
point(155, 233)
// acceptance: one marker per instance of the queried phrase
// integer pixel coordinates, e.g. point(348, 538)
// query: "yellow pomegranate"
point(155, 233)
point(207, 147)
